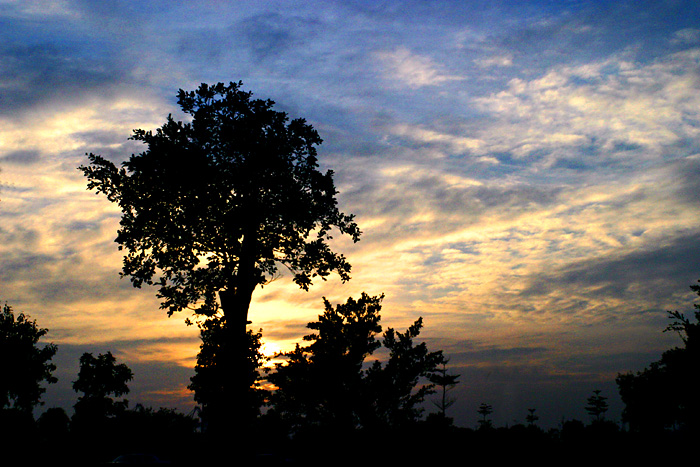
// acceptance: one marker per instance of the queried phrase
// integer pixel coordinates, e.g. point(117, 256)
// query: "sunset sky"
point(526, 175)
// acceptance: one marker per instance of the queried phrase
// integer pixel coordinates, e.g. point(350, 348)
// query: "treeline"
point(326, 395)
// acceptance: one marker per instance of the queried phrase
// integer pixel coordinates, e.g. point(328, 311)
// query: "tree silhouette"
point(597, 405)
point(531, 418)
point(395, 384)
point(323, 385)
point(485, 410)
point(99, 379)
point(215, 206)
point(446, 382)
point(24, 365)
point(665, 395)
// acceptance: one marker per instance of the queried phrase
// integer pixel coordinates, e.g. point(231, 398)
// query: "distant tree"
point(216, 205)
point(446, 382)
point(597, 405)
point(531, 418)
point(99, 379)
point(665, 395)
point(324, 384)
point(485, 410)
point(24, 365)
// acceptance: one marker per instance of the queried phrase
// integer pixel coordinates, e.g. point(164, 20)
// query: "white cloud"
point(613, 101)
point(411, 69)
point(686, 36)
point(504, 60)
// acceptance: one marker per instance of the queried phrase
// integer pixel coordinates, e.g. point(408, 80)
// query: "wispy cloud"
point(413, 70)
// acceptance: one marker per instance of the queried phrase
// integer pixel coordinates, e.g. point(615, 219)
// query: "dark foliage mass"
point(208, 380)
point(328, 385)
point(664, 396)
point(99, 379)
point(220, 202)
point(24, 364)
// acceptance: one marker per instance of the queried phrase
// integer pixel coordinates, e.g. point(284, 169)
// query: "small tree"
point(324, 384)
point(597, 405)
point(99, 379)
point(24, 365)
point(485, 410)
point(398, 394)
point(531, 418)
point(446, 382)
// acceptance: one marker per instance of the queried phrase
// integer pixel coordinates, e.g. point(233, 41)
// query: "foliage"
point(100, 378)
point(395, 385)
point(326, 385)
point(218, 203)
point(664, 395)
point(212, 372)
point(597, 405)
point(24, 365)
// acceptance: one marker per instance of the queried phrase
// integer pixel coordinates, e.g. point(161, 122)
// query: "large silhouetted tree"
point(324, 385)
point(665, 395)
point(214, 206)
point(24, 365)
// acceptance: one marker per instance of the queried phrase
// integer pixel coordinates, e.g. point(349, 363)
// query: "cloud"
point(686, 36)
point(22, 157)
point(494, 60)
point(415, 71)
point(610, 106)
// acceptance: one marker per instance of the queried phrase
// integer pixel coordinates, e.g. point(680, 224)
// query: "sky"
point(526, 176)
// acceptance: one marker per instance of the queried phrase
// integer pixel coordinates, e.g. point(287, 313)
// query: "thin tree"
point(485, 410)
point(446, 382)
point(597, 405)
point(213, 207)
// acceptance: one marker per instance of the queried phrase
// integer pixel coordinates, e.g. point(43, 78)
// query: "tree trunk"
point(236, 410)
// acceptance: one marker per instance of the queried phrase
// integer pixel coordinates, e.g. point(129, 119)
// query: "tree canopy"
point(220, 202)
point(99, 379)
point(327, 385)
point(24, 365)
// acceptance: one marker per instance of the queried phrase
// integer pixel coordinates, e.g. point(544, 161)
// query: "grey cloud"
point(21, 157)
point(653, 275)
point(46, 72)
point(597, 30)
point(496, 354)
point(685, 174)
